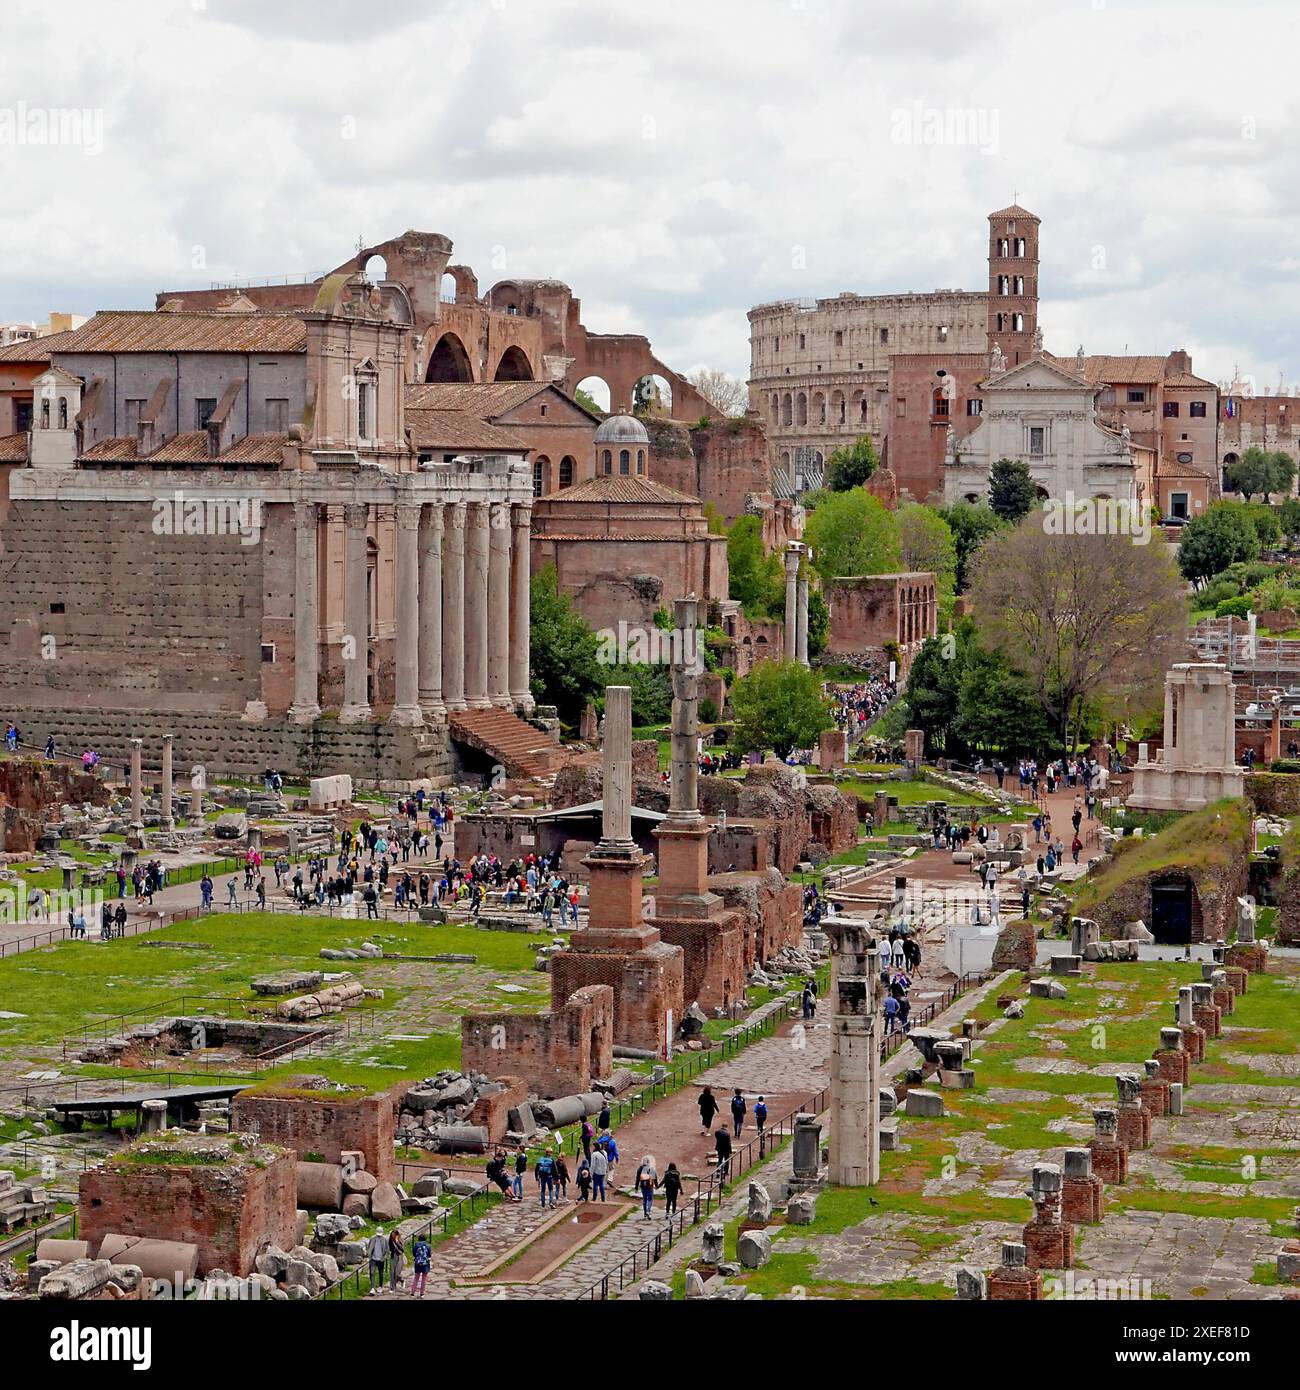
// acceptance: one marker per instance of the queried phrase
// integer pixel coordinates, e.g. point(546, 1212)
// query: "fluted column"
point(406, 705)
point(498, 654)
point(168, 819)
point(431, 615)
point(790, 636)
point(306, 617)
point(520, 611)
point(802, 654)
point(453, 607)
point(356, 616)
point(476, 607)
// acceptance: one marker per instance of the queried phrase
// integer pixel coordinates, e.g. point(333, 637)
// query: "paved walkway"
point(778, 1169)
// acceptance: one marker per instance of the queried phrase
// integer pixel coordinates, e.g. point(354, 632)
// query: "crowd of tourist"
point(856, 707)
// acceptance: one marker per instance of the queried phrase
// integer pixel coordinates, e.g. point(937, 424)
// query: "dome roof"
point(621, 429)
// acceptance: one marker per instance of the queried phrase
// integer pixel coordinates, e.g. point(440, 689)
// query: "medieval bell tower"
point(1013, 283)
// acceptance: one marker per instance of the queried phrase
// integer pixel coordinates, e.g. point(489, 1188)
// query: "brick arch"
point(513, 365)
point(449, 361)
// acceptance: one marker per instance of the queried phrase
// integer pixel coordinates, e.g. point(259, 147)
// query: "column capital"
point(521, 515)
point(408, 516)
point(499, 513)
point(431, 518)
point(305, 513)
point(455, 515)
point(356, 515)
point(137, 743)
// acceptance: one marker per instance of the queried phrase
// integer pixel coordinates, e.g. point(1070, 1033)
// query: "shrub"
point(1216, 591)
point(1233, 607)
point(708, 711)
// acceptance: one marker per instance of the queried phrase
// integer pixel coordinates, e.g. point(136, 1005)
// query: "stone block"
point(652, 1291)
point(801, 1210)
point(385, 1203)
point(927, 1104)
point(972, 1284)
point(754, 1249)
point(760, 1203)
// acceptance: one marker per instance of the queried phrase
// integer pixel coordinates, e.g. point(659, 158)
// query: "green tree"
point(1289, 516)
point(652, 691)
point(997, 709)
point(1262, 471)
point(1265, 521)
point(971, 524)
point(779, 706)
point(819, 622)
point(853, 533)
point(927, 544)
point(587, 402)
point(1012, 492)
point(1221, 536)
point(850, 468)
point(755, 579)
point(934, 683)
point(562, 649)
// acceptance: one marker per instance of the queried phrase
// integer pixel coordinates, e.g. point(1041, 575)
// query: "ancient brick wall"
point(772, 910)
point(556, 1052)
point(713, 951)
point(138, 620)
point(645, 986)
point(229, 1210)
point(329, 1127)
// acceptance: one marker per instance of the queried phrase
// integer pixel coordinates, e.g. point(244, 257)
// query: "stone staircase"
point(520, 748)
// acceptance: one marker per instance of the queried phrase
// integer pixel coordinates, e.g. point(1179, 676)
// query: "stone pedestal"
point(1109, 1154)
point(1013, 1281)
point(618, 947)
point(1081, 1190)
point(1048, 1239)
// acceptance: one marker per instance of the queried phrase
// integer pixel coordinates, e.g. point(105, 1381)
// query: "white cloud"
point(667, 161)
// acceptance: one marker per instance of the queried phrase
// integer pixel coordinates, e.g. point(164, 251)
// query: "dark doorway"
point(1171, 913)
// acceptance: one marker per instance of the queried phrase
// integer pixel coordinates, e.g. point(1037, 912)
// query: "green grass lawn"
point(62, 988)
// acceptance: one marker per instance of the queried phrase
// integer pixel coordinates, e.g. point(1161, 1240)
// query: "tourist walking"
point(544, 1172)
point(377, 1253)
point(647, 1179)
point(562, 1177)
point(760, 1113)
point(396, 1257)
point(722, 1152)
point(584, 1180)
point(420, 1256)
point(521, 1167)
point(708, 1104)
point(738, 1108)
point(599, 1172)
point(671, 1182)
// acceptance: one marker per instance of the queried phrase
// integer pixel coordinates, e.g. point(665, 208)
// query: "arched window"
point(609, 461)
point(801, 409)
point(63, 412)
point(787, 410)
point(940, 405)
point(45, 415)
point(624, 461)
point(566, 471)
point(539, 476)
point(776, 409)
point(640, 460)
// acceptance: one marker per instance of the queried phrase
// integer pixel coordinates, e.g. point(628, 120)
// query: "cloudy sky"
point(676, 162)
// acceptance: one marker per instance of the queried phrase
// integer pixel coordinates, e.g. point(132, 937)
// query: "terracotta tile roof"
point(145, 330)
point(618, 487)
point(121, 446)
point(35, 349)
point(587, 538)
point(191, 447)
point(1189, 379)
point(484, 399)
point(1015, 210)
point(460, 429)
point(257, 448)
point(1119, 370)
point(13, 448)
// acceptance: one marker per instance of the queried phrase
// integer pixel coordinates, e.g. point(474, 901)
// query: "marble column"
point(356, 616)
point(306, 617)
point(137, 784)
point(520, 601)
point(616, 767)
point(453, 607)
point(198, 783)
point(476, 607)
point(790, 635)
point(498, 654)
point(406, 705)
point(855, 1057)
point(801, 654)
point(683, 797)
point(431, 615)
point(168, 819)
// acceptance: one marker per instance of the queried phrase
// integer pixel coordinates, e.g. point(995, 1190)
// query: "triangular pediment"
point(1038, 374)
